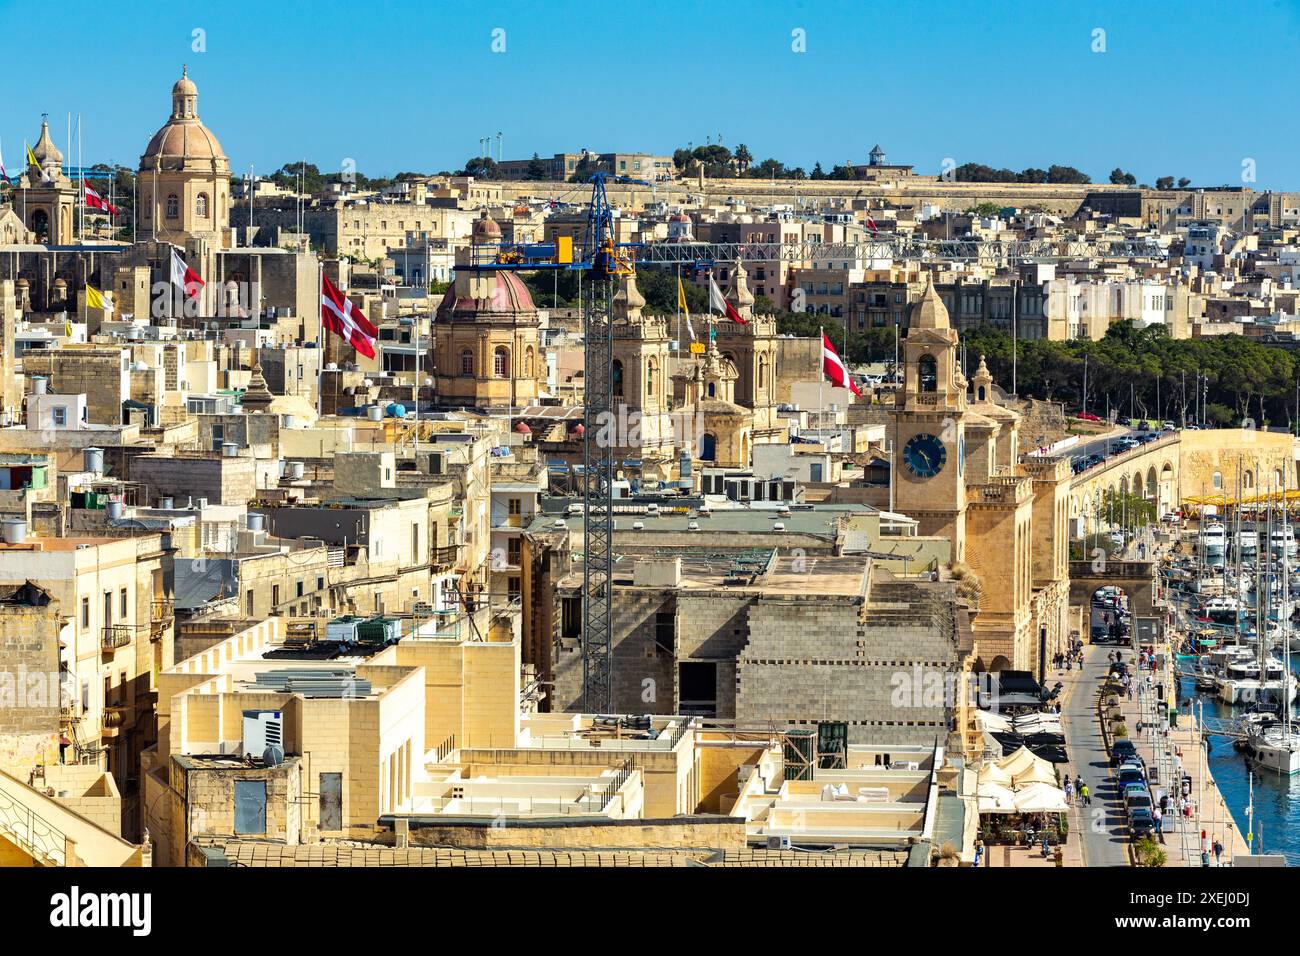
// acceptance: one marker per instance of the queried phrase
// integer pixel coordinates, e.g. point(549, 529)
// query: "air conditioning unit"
point(778, 843)
point(262, 729)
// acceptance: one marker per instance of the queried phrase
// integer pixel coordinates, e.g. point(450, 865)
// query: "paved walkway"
point(1172, 752)
point(1104, 830)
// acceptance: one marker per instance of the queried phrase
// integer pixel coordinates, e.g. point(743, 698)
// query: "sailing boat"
point(1276, 747)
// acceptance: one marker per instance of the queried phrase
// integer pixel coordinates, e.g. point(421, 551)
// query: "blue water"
point(1277, 798)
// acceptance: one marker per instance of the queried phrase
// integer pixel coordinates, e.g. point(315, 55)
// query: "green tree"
point(1165, 183)
point(743, 158)
point(1121, 178)
point(537, 169)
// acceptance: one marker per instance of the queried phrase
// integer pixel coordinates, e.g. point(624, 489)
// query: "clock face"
point(924, 456)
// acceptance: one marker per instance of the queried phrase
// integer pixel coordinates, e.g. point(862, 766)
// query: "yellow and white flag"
point(98, 300)
point(681, 304)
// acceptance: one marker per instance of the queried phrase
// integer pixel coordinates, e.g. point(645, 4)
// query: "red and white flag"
point(185, 277)
point(871, 224)
point(95, 201)
point(718, 302)
point(834, 368)
point(340, 316)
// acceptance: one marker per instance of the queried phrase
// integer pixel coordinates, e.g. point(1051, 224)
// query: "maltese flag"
point(185, 277)
point(340, 316)
point(94, 200)
point(834, 368)
point(718, 302)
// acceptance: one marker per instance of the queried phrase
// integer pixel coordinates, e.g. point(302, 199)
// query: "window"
point(173, 207)
point(528, 362)
point(1218, 481)
point(650, 378)
point(467, 362)
point(331, 801)
point(512, 552)
point(201, 206)
point(501, 362)
point(927, 371)
point(616, 378)
point(299, 588)
point(85, 612)
point(665, 630)
point(60, 416)
point(122, 603)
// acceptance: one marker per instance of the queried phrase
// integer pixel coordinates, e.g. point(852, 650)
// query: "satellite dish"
point(273, 755)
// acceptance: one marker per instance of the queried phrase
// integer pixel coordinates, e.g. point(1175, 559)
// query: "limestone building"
point(49, 198)
point(487, 350)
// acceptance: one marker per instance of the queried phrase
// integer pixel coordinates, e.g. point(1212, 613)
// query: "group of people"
point(1066, 660)
point(1077, 787)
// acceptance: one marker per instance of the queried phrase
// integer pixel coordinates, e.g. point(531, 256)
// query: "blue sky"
point(1184, 89)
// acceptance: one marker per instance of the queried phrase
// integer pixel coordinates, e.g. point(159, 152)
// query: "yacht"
point(1223, 610)
point(1247, 542)
point(1275, 747)
point(1282, 541)
point(1213, 537)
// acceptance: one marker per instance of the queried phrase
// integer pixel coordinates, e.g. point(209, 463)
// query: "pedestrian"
point(1078, 782)
point(1218, 851)
point(1087, 797)
point(1159, 819)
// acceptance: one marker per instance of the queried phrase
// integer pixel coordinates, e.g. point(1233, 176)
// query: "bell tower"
point(929, 439)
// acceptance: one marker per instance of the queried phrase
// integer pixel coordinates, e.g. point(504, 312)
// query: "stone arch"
point(501, 362)
point(616, 378)
point(927, 374)
point(201, 206)
point(1000, 663)
point(1152, 488)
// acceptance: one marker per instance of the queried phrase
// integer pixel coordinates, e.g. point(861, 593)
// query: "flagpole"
point(320, 349)
point(681, 293)
point(81, 218)
point(821, 402)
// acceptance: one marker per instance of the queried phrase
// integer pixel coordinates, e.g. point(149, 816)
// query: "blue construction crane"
point(601, 258)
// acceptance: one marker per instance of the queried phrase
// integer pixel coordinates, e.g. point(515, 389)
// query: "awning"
point(1040, 798)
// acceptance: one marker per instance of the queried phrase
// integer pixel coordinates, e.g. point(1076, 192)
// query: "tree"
point(482, 167)
point(743, 158)
point(1165, 183)
point(1121, 178)
point(1184, 182)
point(817, 172)
point(537, 170)
point(984, 210)
point(1067, 175)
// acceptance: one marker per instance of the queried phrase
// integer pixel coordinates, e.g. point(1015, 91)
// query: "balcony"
point(115, 636)
point(115, 718)
point(444, 558)
point(162, 610)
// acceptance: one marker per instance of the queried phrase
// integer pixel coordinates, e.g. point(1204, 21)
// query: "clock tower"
point(929, 437)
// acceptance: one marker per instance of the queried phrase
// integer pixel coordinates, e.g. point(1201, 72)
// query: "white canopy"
point(1037, 723)
point(992, 773)
point(991, 721)
point(1026, 768)
point(1040, 798)
point(995, 798)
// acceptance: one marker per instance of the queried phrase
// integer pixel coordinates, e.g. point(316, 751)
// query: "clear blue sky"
point(1183, 88)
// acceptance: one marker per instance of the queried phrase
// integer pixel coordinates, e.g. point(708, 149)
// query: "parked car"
point(1169, 426)
point(1087, 416)
point(1122, 747)
point(1144, 426)
point(1138, 798)
point(1140, 822)
point(1130, 775)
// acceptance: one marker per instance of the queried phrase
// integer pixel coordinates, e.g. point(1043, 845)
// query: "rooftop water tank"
point(374, 413)
point(229, 450)
point(395, 410)
point(92, 460)
point(166, 502)
point(116, 509)
point(13, 530)
point(293, 470)
point(40, 384)
point(256, 521)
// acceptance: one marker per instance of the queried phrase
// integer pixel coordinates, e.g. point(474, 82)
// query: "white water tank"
point(92, 460)
point(229, 450)
point(293, 470)
point(40, 384)
point(375, 413)
point(166, 502)
point(13, 530)
point(256, 521)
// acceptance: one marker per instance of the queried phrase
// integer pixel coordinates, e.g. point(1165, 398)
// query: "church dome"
point(486, 228)
point(510, 297)
point(184, 138)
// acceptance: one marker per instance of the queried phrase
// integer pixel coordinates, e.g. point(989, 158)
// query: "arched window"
point(927, 371)
point(979, 394)
point(528, 362)
point(201, 206)
point(650, 378)
point(173, 206)
point(762, 372)
point(467, 362)
point(1218, 481)
point(1247, 479)
point(501, 362)
point(712, 390)
point(616, 378)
